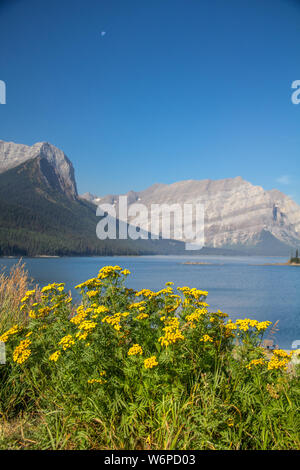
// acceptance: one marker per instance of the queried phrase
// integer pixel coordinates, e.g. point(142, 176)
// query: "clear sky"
point(143, 91)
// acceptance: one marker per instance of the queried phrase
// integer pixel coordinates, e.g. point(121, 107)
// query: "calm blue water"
point(240, 286)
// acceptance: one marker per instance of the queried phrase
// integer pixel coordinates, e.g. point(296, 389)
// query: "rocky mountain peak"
point(13, 155)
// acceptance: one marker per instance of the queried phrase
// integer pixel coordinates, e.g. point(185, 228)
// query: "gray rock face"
point(12, 155)
point(236, 211)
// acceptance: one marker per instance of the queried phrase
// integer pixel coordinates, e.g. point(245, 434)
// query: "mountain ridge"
point(39, 215)
point(13, 155)
point(39, 199)
point(237, 213)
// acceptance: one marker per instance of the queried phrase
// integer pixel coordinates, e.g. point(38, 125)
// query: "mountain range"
point(238, 215)
point(41, 212)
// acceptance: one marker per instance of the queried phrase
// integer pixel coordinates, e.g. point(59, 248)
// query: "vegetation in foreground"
point(138, 370)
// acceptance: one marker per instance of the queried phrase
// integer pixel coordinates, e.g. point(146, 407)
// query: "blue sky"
point(174, 89)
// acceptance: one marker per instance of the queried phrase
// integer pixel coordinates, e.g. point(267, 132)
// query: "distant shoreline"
point(199, 263)
point(277, 264)
point(222, 264)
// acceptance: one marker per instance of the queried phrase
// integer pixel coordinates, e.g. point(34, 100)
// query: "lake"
point(239, 286)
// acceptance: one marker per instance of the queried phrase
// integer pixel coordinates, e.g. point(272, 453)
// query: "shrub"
point(138, 370)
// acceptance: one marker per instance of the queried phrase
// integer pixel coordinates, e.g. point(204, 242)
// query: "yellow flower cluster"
point(53, 286)
point(92, 293)
point(41, 312)
point(149, 294)
point(98, 310)
point(196, 316)
point(247, 323)
point(12, 331)
point(115, 319)
point(207, 339)
point(66, 342)
point(276, 363)
point(141, 316)
point(101, 309)
point(99, 381)
point(166, 290)
point(28, 294)
point(87, 325)
point(175, 301)
point(150, 362)
point(109, 271)
point(54, 357)
point(171, 332)
point(263, 325)
point(134, 350)
point(125, 272)
point(282, 353)
point(81, 336)
point(192, 294)
point(22, 351)
point(255, 362)
point(81, 315)
point(92, 283)
point(139, 305)
point(230, 326)
point(280, 359)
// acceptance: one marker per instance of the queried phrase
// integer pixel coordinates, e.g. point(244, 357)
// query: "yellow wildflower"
point(150, 362)
point(92, 293)
point(142, 316)
point(22, 351)
point(54, 357)
point(125, 272)
point(79, 335)
point(12, 331)
point(134, 350)
point(99, 381)
point(109, 271)
point(87, 325)
point(171, 332)
point(81, 315)
point(66, 342)
point(207, 339)
point(255, 362)
point(196, 316)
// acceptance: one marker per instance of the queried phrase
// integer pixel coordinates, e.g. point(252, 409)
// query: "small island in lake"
point(295, 260)
point(195, 262)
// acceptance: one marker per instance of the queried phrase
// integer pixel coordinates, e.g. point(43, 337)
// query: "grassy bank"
point(138, 370)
